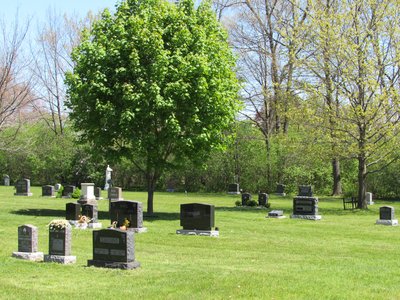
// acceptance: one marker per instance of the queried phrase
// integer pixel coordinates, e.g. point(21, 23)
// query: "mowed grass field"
point(343, 256)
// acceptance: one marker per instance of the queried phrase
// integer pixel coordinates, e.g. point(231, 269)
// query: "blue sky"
point(36, 9)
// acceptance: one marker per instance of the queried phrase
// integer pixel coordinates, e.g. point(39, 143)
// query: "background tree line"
point(320, 84)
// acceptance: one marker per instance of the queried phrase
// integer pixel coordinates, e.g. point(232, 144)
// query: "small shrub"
point(76, 194)
point(251, 202)
point(59, 192)
point(267, 205)
point(238, 203)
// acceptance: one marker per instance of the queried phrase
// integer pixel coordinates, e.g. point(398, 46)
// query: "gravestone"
point(245, 197)
point(68, 190)
point(233, 188)
point(132, 211)
point(262, 199)
point(114, 248)
point(108, 183)
point(368, 198)
point(197, 219)
point(23, 188)
point(72, 212)
point(87, 194)
point(57, 187)
point(6, 180)
point(48, 191)
point(115, 194)
point(275, 214)
point(305, 208)
point(386, 216)
point(305, 191)
point(60, 246)
point(91, 211)
point(28, 243)
point(97, 193)
point(280, 189)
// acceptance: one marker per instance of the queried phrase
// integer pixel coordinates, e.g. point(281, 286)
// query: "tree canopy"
point(156, 83)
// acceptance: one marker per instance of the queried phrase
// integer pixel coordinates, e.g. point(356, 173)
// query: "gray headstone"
point(97, 193)
point(27, 238)
point(6, 180)
point(57, 187)
point(197, 216)
point(23, 187)
point(130, 210)
point(115, 193)
point(48, 191)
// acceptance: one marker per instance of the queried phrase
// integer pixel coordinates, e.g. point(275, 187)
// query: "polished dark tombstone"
point(68, 190)
point(245, 197)
point(28, 243)
point(262, 199)
point(97, 193)
point(305, 206)
point(48, 191)
point(23, 188)
point(386, 216)
point(233, 188)
point(386, 213)
point(113, 248)
point(90, 211)
point(72, 211)
point(60, 242)
point(197, 216)
point(305, 191)
point(280, 189)
point(130, 210)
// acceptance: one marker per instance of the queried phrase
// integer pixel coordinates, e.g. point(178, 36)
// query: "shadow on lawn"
point(52, 213)
point(161, 216)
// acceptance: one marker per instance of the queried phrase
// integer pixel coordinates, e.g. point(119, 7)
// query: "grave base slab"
point(394, 222)
point(307, 217)
point(23, 194)
point(138, 230)
point(275, 217)
point(60, 259)
point(32, 256)
point(113, 265)
point(214, 233)
point(281, 194)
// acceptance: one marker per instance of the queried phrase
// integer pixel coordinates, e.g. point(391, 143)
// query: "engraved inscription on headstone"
point(197, 216)
point(115, 193)
point(305, 206)
point(262, 199)
point(72, 211)
point(130, 210)
point(27, 238)
point(90, 211)
point(23, 187)
point(68, 190)
point(305, 191)
point(60, 242)
point(48, 191)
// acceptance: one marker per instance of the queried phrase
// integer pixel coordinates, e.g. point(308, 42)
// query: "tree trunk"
point(362, 182)
point(337, 185)
point(151, 182)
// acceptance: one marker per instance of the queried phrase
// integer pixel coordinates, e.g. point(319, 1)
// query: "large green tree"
point(156, 83)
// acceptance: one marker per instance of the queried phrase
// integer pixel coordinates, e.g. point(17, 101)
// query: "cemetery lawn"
point(343, 256)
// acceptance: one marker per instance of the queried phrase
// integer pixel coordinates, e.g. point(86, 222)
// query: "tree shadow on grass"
point(52, 213)
point(243, 208)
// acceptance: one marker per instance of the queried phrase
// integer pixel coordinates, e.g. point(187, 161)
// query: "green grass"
point(343, 256)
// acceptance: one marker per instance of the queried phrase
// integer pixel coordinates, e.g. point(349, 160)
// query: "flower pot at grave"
point(60, 242)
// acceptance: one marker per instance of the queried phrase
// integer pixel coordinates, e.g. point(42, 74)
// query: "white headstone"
point(368, 198)
point(87, 191)
point(108, 177)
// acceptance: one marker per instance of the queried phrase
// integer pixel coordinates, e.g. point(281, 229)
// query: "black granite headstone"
point(305, 206)
point(68, 190)
point(197, 216)
point(130, 210)
point(245, 197)
point(90, 211)
point(60, 242)
point(233, 188)
point(386, 213)
point(23, 187)
point(262, 199)
point(305, 191)
point(48, 191)
point(72, 211)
